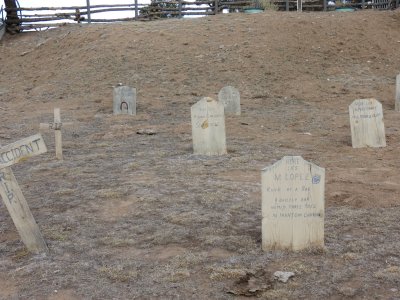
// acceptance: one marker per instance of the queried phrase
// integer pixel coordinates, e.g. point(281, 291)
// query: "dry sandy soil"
point(130, 216)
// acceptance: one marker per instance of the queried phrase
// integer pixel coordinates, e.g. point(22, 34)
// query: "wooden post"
point(136, 10)
point(180, 8)
point(397, 103)
point(11, 193)
point(325, 5)
point(56, 126)
point(216, 7)
point(362, 4)
point(287, 5)
point(397, 3)
point(88, 11)
point(299, 5)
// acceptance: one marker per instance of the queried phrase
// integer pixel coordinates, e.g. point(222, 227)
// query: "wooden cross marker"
point(12, 195)
point(56, 126)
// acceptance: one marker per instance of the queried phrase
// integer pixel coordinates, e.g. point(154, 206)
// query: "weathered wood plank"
point(20, 213)
point(21, 150)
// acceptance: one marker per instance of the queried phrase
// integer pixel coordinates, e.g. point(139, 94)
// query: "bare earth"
point(136, 216)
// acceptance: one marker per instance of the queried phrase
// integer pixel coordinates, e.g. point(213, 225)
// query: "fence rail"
point(39, 17)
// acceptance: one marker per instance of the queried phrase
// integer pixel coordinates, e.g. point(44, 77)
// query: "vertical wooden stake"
point(397, 103)
point(136, 10)
point(57, 132)
point(216, 7)
point(88, 11)
point(20, 213)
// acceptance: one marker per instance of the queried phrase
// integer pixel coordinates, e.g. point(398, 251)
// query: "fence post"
point(88, 11)
point(362, 4)
point(180, 8)
point(397, 3)
point(325, 5)
point(287, 5)
point(216, 7)
point(299, 5)
point(136, 10)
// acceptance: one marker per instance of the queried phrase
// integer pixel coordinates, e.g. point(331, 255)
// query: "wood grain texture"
point(293, 205)
point(366, 123)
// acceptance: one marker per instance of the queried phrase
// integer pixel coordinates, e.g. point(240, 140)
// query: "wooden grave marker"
point(124, 100)
point(230, 98)
point(366, 123)
point(56, 126)
point(293, 205)
point(397, 103)
point(208, 127)
point(12, 195)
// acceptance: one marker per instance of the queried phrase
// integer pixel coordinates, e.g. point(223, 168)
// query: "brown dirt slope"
point(135, 216)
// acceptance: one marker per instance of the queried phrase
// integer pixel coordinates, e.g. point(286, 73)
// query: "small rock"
point(283, 276)
point(146, 131)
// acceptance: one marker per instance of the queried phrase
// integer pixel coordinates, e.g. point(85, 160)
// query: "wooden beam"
point(20, 213)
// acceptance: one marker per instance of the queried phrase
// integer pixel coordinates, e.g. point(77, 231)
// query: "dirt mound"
point(138, 216)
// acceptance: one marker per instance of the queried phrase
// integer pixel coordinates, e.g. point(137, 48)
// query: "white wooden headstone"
point(293, 205)
point(366, 123)
point(208, 127)
point(12, 195)
point(230, 98)
point(397, 103)
point(124, 100)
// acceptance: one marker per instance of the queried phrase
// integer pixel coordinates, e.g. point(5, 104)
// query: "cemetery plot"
point(366, 123)
point(124, 98)
point(230, 98)
point(293, 205)
point(208, 127)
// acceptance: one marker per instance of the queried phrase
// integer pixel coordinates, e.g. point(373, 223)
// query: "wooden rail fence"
point(40, 17)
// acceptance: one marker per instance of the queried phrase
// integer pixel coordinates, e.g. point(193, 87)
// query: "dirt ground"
point(136, 216)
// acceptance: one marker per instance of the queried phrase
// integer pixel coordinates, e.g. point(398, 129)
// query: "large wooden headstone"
point(366, 123)
point(208, 127)
point(230, 98)
point(124, 100)
point(397, 103)
point(293, 205)
point(12, 195)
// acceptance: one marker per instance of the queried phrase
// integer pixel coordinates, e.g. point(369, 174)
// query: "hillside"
point(136, 216)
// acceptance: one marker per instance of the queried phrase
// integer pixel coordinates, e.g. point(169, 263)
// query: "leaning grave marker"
point(208, 127)
point(366, 123)
point(293, 205)
point(124, 100)
point(230, 98)
point(397, 103)
point(12, 195)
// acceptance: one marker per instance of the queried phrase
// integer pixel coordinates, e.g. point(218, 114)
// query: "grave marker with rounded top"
point(230, 98)
point(397, 103)
point(208, 127)
point(124, 100)
point(366, 123)
point(293, 205)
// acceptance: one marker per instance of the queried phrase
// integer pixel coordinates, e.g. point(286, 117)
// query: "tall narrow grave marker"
point(397, 103)
point(366, 123)
point(230, 98)
point(124, 100)
point(208, 127)
point(56, 126)
point(293, 205)
point(12, 195)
